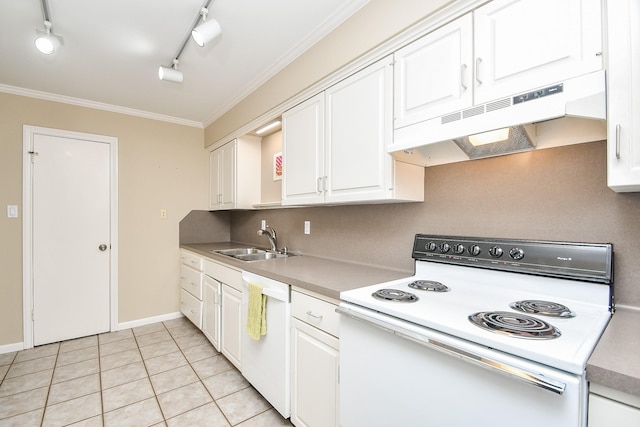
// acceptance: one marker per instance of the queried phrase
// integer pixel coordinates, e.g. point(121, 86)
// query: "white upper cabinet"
point(503, 48)
point(234, 174)
point(303, 152)
point(433, 74)
point(623, 89)
point(525, 44)
point(334, 144)
point(358, 129)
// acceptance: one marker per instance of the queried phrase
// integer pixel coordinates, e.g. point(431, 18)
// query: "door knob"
point(102, 247)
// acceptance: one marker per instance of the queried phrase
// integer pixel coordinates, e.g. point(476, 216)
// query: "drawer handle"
point(193, 312)
point(315, 316)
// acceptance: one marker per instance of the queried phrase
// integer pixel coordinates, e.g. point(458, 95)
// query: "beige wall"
point(271, 191)
point(375, 23)
point(161, 165)
point(553, 194)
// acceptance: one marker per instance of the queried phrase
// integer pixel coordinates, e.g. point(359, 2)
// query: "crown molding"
point(97, 105)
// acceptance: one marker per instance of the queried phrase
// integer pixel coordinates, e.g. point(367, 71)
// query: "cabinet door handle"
point(319, 180)
point(315, 316)
point(324, 183)
point(618, 129)
point(478, 79)
point(463, 73)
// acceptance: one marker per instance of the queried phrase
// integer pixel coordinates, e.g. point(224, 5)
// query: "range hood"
point(567, 112)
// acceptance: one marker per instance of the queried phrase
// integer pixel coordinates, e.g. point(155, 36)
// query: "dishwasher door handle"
point(276, 293)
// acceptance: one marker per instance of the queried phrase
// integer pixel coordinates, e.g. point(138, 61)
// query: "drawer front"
point(191, 281)
point(191, 259)
point(224, 274)
point(315, 312)
point(191, 308)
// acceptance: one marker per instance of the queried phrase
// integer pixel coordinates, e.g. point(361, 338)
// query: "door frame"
point(28, 135)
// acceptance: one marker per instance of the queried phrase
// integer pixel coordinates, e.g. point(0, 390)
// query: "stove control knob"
point(516, 253)
point(444, 247)
point(430, 247)
point(458, 249)
point(474, 250)
point(495, 251)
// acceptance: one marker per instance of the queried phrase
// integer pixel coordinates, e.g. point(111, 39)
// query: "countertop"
point(321, 276)
point(615, 363)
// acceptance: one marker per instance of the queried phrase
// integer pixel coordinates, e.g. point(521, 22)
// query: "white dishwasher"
point(266, 362)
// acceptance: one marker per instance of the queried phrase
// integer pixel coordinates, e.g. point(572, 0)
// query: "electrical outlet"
point(307, 227)
point(263, 224)
point(163, 214)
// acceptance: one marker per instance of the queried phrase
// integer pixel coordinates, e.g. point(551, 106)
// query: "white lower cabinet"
point(212, 301)
point(609, 407)
point(231, 325)
point(221, 312)
point(314, 362)
point(191, 307)
point(191, 280)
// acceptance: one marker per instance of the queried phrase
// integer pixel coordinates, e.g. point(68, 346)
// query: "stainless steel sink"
point(239, 251)
point(251, 254)
point(259, 256)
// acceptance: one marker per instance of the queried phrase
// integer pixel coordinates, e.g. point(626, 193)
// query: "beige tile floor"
point(163, 374)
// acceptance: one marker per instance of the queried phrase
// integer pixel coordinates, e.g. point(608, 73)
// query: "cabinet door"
point(211, 311)
point(314, 376)
point(604, 412)
point(623, 100)
point(227, 171)
point(231, 325)
point(524, 44)
point(358, 130)
point(433, 75)
point(303, 152)
point(214, 179)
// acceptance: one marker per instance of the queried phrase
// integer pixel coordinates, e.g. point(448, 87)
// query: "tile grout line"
point(198, 376)
point(100, 381)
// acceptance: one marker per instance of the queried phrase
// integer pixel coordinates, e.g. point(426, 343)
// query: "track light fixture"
point(207, 31)
point(171, 74)
point(47, 42)
point(201, 34)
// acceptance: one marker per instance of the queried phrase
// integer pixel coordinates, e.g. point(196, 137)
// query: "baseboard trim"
point(9, 348)
point(149, 320)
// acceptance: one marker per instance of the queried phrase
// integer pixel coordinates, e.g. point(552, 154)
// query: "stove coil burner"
point(395, 295)
point(542, 308)
point(514, 324)
point(429, 285)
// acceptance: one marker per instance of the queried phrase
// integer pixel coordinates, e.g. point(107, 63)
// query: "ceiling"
point(112, 50)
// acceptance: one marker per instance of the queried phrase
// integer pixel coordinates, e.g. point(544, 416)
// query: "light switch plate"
point(307, 227)
point(12, 211)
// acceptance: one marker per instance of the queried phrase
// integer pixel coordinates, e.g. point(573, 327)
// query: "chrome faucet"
point(270, 232)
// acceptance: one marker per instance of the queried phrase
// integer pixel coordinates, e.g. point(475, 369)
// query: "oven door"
point(394, 372)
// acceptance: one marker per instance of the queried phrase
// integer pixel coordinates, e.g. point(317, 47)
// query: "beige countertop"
point(615, 363)
point(322, 276)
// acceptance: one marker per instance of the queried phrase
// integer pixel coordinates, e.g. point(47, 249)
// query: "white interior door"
point(71, 237)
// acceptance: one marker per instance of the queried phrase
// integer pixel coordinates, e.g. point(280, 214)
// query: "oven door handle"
point(528, 377)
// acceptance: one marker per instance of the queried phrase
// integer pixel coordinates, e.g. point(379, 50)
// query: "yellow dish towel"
point(257, 315)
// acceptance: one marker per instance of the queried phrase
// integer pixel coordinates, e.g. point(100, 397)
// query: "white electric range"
point(529, 312)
